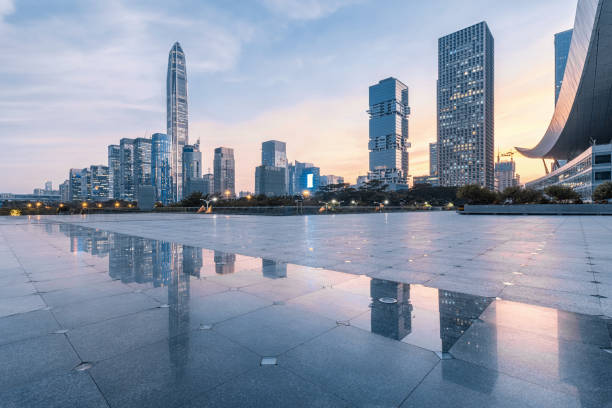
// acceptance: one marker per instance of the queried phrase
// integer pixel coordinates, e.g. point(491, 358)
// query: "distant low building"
point(433, 181)
point(330, 179)
point(505, 174)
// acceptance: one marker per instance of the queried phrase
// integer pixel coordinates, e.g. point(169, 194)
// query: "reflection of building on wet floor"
point(391, 320)
point(273, 269)
point(225, 263)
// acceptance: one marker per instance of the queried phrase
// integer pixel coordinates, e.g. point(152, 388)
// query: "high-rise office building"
point(270, 181)
point(177, 115)
point(465, 107)
point(160, 167)
point(48, 186)
point(433, 159)
point(114, 171)
point(563, 40)
point(75, 186)
point(274, 153)
point(224, 172)
point(99, 183)
point(126, 172)
point(192, 162)
point(272, 177)
point(142, 163)
point(388, 142)
point(64, 190)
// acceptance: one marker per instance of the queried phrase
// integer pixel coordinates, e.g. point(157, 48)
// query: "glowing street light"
point(99, 205)
point(117, 205)
point(84, 204)
point(38, 204)
point(29, 205)
point(248, 197)
point(386, 202)
point(306, 193)
point(227, 194)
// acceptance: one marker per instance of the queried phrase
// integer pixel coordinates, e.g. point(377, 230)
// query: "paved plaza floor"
point(404, 309)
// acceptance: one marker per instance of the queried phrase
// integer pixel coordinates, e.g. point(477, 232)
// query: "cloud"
point(6, 7)
point(306, 9)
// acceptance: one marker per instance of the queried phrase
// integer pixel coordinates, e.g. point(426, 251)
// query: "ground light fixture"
point(84, 205)
point(117, 205)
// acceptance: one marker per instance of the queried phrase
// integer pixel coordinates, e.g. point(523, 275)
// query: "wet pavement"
point(95, 318)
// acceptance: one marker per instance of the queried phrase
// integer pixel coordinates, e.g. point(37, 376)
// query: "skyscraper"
point(274, 153)
point(192, 162)
point(176, 114)
point(465, 107)
point(142, 162)
point(99, 182)
point(433, 159)
point(272, 177)
point(126, 184)
point(388, 142)
point(563, 41)
point(224, 171)
point(75, 186)
point(114, 172)
point(505, 174)
point(160, 167)
point(303, 176)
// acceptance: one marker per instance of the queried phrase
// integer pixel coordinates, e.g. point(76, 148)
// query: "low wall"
point(539, 209)
point(293, 210)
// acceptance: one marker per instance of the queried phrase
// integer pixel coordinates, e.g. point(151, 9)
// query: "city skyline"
point(280, 114)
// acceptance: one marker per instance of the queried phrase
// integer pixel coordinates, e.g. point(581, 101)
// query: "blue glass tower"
point(160, 167)
point(563, 40)
point(176, 113)
point(388, 142)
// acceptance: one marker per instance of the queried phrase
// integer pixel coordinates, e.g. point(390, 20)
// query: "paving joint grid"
point(62, 334)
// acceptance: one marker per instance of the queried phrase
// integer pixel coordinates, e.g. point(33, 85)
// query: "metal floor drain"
point(268, 361)
point(164, 306)
point(84, 366)
point(387, 300)
point(343, 323)
point(61, 331)
point(205, 327)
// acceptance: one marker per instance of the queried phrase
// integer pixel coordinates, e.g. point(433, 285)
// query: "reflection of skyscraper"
point(563, 40)
point(457, 313)
point(192, 261)
point(177, 115)
point(393, 320)
point(224, 262)
point(273, 269)
point(127, 182)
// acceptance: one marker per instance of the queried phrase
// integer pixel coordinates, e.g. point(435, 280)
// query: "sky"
point(78, 75)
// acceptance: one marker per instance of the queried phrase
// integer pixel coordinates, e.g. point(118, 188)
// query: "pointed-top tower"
point(177, 117)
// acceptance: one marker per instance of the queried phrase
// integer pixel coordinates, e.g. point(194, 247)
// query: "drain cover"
point(278, 303)
point(387, 300)
point(268, 361)
point(164, 306)
point(62, 331)
point(83, 366)
point(205, 327)
point(343, 323)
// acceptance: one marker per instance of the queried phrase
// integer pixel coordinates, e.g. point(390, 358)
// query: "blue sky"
point(76, 76)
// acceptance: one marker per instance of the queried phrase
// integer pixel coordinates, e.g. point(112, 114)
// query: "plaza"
point(390, 309)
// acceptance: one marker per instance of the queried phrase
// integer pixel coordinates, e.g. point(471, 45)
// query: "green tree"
point(475, 194)
point(520, 195)
point(561, 194)
point(603, 192)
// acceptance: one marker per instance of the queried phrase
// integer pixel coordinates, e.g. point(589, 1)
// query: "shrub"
point(603, 192)
point(520, 195)
point(475, 194)
point(561, 193)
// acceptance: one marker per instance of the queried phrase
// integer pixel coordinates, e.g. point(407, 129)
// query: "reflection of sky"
point(297, 71)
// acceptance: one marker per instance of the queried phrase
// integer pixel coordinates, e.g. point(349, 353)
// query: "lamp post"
point(207, 202)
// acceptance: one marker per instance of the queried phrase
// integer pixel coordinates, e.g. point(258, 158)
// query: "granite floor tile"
point(273, 330)
point(21, 304)
point(172, 372)
point(268, 387)
point(363, 369)
point(29, 360)
point(25, 325)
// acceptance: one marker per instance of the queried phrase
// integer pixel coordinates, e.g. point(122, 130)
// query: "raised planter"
point(538, 209)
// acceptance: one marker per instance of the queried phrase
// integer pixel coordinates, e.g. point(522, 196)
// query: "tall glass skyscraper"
point(433, 159)
point(160, 167)
point(465, 107)
point(127, 191)
point(142, 162)
point(388, 142)
point(274, 153)
point(176, 114)
point(563, 40)
point(114, 172)
point(224, 172)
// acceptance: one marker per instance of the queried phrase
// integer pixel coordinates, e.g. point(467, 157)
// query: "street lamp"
point(84, 204)
point(117, 205)
point(227, 194)
point(306, 193)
